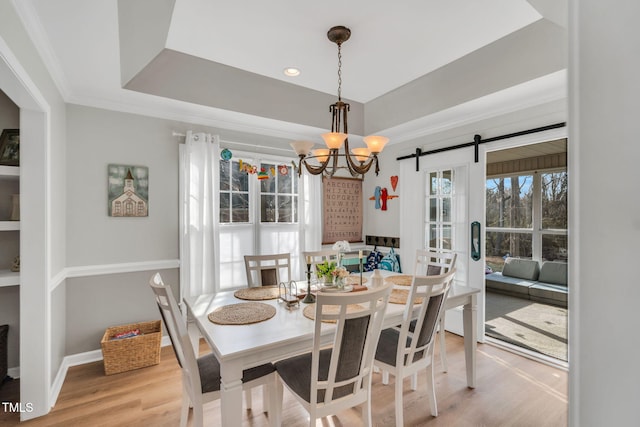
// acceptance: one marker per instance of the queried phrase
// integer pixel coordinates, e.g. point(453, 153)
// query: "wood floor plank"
point(512, 391)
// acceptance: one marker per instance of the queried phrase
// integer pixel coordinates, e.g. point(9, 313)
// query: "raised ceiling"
point(142, 55)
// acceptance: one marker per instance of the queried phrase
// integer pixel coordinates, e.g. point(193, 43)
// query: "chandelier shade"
point(321, 154)
point(361, 153)
point(327, 161)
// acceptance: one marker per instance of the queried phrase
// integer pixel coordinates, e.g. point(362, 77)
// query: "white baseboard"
point(80, 359)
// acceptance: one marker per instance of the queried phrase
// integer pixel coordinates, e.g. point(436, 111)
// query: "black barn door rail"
point(477, 140)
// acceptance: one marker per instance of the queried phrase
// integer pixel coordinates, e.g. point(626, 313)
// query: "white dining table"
point(288, 333)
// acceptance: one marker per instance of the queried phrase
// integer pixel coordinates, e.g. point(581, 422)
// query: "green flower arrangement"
point(325, 269)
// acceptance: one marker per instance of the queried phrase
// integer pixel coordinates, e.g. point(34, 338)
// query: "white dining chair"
point(428, 263)
point(404, 354)
point(201, 375)
point(331, 379)
point(267, 270)
point(318, 257)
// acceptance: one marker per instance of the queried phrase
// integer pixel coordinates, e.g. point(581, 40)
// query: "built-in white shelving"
point(9, 278)
point(10, 171)
point(9, 225)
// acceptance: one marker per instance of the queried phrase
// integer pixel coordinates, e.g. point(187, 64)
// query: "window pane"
point(224, 207)
point(432, 236)
point(433, 183)
point(285, 210)
point(509, 202)
point(268, 185)
point(447, 179)
point(240, 179)
point(446, 209)
point(268, 208)
point(554, 248)
point(433, 209)
point(294, 206)
point(284, 184)
point(240, 207)
point(554, 200)
point(224, 174)
point(446, 237)
point(294, 178)
point(500, 245)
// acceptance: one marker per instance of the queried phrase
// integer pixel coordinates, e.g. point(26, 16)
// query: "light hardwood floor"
point(512, 391)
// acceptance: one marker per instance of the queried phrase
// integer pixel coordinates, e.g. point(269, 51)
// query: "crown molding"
point(33, 26)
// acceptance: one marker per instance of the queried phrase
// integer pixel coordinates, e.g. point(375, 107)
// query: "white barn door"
point(447, 194)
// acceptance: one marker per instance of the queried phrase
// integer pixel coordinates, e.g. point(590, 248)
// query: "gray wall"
point(98, 302)
point(97, 138)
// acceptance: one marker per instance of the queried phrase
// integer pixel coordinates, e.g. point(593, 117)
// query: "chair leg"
point(399, 402)
point(248, 399)
point(385, 377)
point(366, 410)
point(443, 345)
point(431, 391)
point(184, 412)
point(276, 415)
point(198, 415)
point(274, 397)
point(265, 397)
point(414, 381)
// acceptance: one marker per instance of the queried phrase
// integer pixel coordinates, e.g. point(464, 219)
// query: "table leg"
point(231, 394)
point(470, 323)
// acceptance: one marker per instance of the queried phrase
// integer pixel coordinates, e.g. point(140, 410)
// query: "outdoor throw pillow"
point(373, 260)
point(391, 262)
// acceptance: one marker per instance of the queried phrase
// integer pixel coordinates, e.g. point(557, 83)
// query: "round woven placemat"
point(243, 313)
point(257, 294)
point(402, 280)
point(310, 310)
point(355, 280)
point(400, 296)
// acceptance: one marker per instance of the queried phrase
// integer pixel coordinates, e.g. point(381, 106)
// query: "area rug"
point(528, 324)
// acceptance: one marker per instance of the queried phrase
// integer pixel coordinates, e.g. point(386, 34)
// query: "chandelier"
point(326, 160)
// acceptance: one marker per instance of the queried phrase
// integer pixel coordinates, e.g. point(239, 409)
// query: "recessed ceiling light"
point(291, 72)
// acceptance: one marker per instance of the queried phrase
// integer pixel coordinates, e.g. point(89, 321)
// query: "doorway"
point(525, 241)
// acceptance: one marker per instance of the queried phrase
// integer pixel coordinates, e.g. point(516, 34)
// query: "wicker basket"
point(126, 354)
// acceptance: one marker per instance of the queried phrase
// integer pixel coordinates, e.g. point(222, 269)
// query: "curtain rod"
point(224, 141)
point(477, 140)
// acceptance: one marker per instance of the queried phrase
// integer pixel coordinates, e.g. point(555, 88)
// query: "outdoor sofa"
point(526, 278)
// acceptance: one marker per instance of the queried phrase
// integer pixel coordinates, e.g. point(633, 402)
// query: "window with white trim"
point(439, 219)
point(258, 213)
point(526, 217)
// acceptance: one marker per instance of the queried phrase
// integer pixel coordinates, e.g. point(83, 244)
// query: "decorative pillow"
point(391, 262)
point(373, 260)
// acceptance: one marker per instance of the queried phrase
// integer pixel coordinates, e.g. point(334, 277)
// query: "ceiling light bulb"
point(291, 72)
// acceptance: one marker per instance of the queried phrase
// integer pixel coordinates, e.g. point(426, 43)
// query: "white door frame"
point(35, 296)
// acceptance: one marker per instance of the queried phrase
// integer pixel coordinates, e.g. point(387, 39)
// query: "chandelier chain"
point(339, 72)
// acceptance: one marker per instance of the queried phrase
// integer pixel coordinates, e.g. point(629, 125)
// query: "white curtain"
point(199, 214)
point(312, 211)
